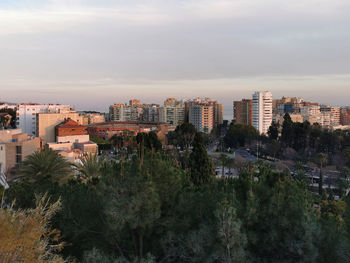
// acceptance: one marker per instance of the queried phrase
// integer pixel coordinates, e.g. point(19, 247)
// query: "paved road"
point(240, 152)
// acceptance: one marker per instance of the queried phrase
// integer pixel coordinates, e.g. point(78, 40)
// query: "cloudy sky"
point(92, 53)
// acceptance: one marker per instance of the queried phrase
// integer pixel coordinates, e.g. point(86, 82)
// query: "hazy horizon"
point(91, 54)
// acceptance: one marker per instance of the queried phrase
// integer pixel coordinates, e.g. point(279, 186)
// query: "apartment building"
point(326, 116)
point(116, 112)
point(311, 113)
point(345, 116)
point(126, 112)
point(285, 105)
point(173, 112)
point(92, 117)
point(72, 140)
point(202, 114)
point(219, 117)
point(8, 106)
point(150, 113)
point(47, 122)
point(243, 112)
point(262, 111)
point(333, 113)
point(26, 119)
point(15, 146)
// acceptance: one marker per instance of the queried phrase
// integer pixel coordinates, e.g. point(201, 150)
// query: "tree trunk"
point(141, 152)
point(320, 183)
point(140, 244)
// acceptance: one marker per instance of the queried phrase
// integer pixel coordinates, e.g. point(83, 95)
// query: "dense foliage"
point(155, 205)
point(240, 135)
point(152, 210)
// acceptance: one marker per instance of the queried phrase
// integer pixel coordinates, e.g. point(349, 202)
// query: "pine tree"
point(201, 166)
point(287, 130)
point(273, 131)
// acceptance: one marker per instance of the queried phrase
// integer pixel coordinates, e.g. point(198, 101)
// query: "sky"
point(93, 53)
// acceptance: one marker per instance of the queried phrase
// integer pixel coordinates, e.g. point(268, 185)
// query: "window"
point(18, 149)
point(18, 159)
point(18, 154)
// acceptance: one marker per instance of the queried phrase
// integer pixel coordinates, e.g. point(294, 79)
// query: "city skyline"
point(107, 51)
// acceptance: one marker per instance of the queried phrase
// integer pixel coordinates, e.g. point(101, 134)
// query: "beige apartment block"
point(46, 123)
point(14, 150)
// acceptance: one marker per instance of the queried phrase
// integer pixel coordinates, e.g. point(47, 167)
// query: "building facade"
point(262, 111)
point(134, 111)
point(15, 146)
point(108, 129)
point(202, 115)
point(26, 119)
point(243, 112)
point(173, 112)
point(345, 116)
point(47, 122)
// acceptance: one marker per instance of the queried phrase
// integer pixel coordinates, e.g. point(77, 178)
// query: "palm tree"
point(321, 160)
point(90, 166)
point(43, 164)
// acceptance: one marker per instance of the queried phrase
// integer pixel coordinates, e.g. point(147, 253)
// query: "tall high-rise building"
point(345, 116)
point(172, 112)
point(124, 112)
point(219, 117)
point(134, 111)
point(262, 110)
point(243, 112)
point(150, 113)
point(333, 112)
point(202, 113)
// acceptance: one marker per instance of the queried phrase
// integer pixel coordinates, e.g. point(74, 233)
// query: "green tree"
point(102, 144)
point(231, 163)
point(273, 148)
point(343, 181)
point(183, 136)
point(333, 244)
point(90, 167)
point(346, 154)
point(287, 134)
point(301, 133)
point(232, 240)
point(321, 159)
point(81, 219)
point(45, 163)
point(239, 135)
point(224, 162)
point(280, 220)
point(273, 131)
point(314, 136)
point(200, 164)
point(132, 205)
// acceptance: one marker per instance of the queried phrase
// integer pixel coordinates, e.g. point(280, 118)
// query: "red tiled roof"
point(69, 123)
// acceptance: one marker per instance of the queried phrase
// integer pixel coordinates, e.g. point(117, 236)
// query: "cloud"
point(134, 45)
